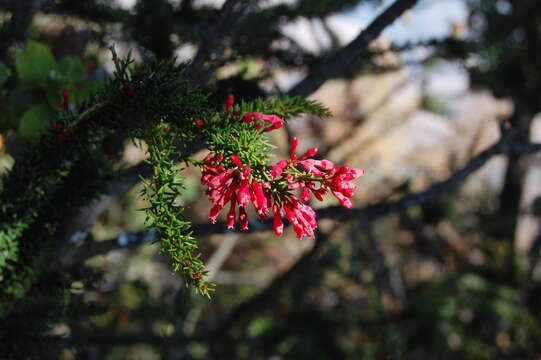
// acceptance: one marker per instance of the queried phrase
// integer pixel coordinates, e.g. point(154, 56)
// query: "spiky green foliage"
point(287, 107)
point(164, 212)
point(63, 172)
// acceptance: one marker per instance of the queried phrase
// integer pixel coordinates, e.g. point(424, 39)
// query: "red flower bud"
point(229, 101)
point(243, 218)
point(278, 169)
point(305, 195)
point(65, 99)
point(311, 152)
point(278, 224)
point(275, 125)
point(293, 150)
point(231, 215)
point(235, 160)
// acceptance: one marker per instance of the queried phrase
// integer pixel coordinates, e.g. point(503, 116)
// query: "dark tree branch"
point(212, 38)
point(127, 179)
point(14, 30)
point(376, 211)
point(263, 298)
point(346, 55)
point(369, 213)
point(503, 146)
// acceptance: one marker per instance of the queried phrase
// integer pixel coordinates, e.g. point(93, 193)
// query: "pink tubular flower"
point(235, 186)
point(333, 178)
point(235, 160)
point(310, 153)
point(243, 193)
point(231, 215)
point(275, 121)
point(259, 200)
point(199, 122)
point(305, 195)
point(278, 169)
point(274, 187)
point(302, 217)
point(275, 125)
point(293, 150)
point(277, 224)
point(243, 219)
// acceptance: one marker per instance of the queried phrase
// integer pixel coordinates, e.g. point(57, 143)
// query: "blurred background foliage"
point(454, 278)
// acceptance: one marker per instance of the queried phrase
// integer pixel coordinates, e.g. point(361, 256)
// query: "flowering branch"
point(236, 173)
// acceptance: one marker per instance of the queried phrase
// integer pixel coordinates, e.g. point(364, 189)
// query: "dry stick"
point(258, 301)
point(215, 263)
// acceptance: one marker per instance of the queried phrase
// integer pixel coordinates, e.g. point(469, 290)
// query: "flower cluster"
point(333, 178)
point(230, 181)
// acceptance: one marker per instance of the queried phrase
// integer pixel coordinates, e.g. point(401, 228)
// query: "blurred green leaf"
point(35, 64)
point(259, 326)
point(3, 74)
point(22, 98)
point(72, 69)
point(33, 122)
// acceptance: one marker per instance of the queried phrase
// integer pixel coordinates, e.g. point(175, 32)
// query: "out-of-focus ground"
point(408, 128)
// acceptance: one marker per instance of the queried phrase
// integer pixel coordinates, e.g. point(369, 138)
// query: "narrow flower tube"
point(276, 125)
point(229, 101)
point(243, 218)
point(278, 224)
point(277, 169)
point(308, 154)
point(231, 215)
point(235, 160)
point(305, 195)
point(243, 194)
point(214, 211)
point(293, 150)
point(259, 200)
